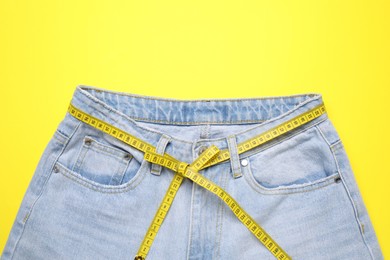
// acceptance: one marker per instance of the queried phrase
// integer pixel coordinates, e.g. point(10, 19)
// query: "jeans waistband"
point(250, 116)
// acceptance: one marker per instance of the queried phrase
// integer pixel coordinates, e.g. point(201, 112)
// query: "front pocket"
point(297, 163)
point(101, 162)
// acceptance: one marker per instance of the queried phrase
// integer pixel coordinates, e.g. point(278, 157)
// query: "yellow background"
point(196, 49)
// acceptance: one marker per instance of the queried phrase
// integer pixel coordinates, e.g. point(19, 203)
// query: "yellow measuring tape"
point(210, 156)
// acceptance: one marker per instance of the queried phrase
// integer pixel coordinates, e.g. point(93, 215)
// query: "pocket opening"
point(296, 163)
point(138, 177)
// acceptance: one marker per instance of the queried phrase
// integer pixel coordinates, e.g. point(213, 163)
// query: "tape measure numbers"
point(210, 156)
point(180, 168)
point(270, 134)
point(245, 218)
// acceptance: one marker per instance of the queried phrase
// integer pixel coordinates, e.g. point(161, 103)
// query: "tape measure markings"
point(159, 217)
point(113, 131)
point(180, 168)
point(271, 134)
point(224, 154)
point(240, 213)
point(206, 159)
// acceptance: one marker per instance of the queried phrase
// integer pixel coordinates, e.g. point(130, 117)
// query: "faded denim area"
point(93, 196)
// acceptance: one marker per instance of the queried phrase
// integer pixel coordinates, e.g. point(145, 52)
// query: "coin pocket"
point(101, 163)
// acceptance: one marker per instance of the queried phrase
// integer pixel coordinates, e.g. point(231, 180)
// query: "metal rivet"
point(244, 162)
point(337, 180)
point(88, 141)
point(202, 149)
point(127, 156)
point(55, 169)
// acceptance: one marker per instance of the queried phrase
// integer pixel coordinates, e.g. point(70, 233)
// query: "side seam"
point(55, 137)
point(333, 147)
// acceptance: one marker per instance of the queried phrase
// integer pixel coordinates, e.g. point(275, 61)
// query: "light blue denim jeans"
point(93, 196)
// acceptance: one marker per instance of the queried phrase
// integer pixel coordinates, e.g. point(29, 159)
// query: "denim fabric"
point(94, 197)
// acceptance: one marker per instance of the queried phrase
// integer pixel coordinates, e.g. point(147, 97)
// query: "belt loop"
point(160, 149)
point(234, 157)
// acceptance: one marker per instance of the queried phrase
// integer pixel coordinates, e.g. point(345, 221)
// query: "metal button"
point(202, 149)
point(244, 162)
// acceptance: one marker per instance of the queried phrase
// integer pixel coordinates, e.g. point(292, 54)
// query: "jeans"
point(93, 196)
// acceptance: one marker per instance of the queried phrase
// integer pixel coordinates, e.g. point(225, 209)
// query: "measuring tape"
point(210, 156)
point(181, 169)
point(192, 174)
point(271, 134)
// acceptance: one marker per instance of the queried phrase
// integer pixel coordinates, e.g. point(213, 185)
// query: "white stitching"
point(130, 185)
